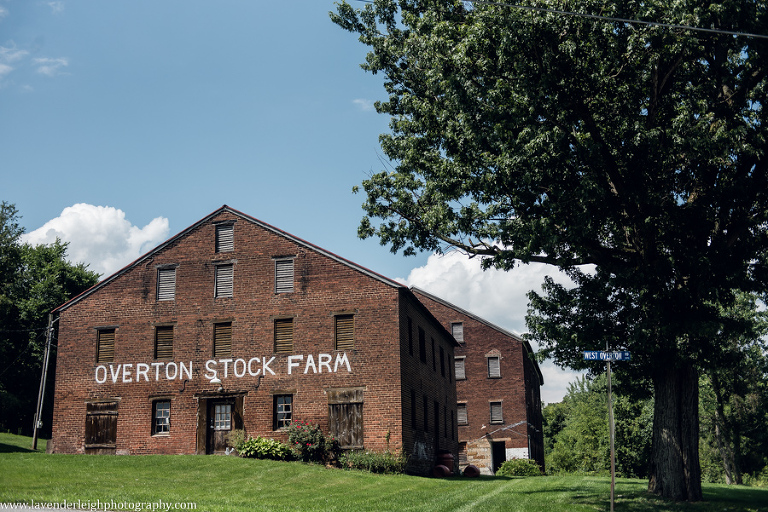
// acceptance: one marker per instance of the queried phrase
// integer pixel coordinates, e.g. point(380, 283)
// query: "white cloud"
point(11, 53)
point(4, 70)
point(56, 7)
point(364, 105)
point(51, 67)
point(495, 295)
point(3, 12)
point(100, 236)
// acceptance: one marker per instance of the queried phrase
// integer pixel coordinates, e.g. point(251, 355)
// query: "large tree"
point(566, 135)
point(33, 281)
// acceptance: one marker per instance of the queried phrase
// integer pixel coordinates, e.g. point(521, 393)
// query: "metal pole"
point(41, 392)
point(611, 429)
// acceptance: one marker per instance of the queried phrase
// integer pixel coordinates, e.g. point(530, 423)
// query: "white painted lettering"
point(251, 372)
point(115, 373)
point(104, 378)
point(211, 372)
point(157, 366)
point(324, 360)
point(142, 369)
point(293, 362)
point(341, 359)
point(127, 373)
point(185, 370)
point(265, 366)
point(226, 366)
point(310, 363)
point(175, 371)
point(234, 368)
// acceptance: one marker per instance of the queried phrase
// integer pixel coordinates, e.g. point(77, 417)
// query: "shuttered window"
point(345, 421)
point(458, 364)
point(105, 350)
point(164, 342)
point(345, 332)
point(457, 330)
point(461, 414)
point(224, 280)
point(222, 339)
point(494, 367)
point(284, 276)
point(496, 416)
point(225, 238)
point(166, 283)
point(284, 335)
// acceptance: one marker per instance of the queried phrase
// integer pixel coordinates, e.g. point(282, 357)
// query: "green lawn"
point(234, 484)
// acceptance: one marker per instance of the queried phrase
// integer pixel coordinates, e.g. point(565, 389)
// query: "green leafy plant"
point(385, 463)
point(264, 448)
point(310, 443)
point(519, 467)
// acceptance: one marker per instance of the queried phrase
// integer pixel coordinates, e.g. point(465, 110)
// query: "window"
point(458, 364)
point(410, 336)
point(161, 417)
point(442, 362)
point(284, 275)
point(283, 411)
point(222, 417)
point(494, 367)
point(422, 346)
point(224, 280)
point(496, 416)
point(222, 339)
point(345, 332)
point(457, 330)
point(284, 335)
point(164, 342)
point(166, 283)
point(461, 414)
point(105, 346)
point(225, 237)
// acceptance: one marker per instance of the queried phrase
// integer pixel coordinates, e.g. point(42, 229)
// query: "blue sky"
point(122, 122)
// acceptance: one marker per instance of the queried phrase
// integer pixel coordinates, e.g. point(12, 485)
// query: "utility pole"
point(43, 377)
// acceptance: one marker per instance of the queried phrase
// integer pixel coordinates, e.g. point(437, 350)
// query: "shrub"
point(264, 448)
point(373, 462)
point(236, 438)
point(519, 467)
point(310, 443)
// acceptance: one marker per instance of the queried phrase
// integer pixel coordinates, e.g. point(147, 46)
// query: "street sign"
point(604, 355)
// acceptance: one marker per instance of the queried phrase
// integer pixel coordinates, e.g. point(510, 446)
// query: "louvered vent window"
point(461, 414)
point(458, 364)
point(457, 330)
point(284, 276)
point(105, 350)
point(222, 340)
point(345, 332)
point(494, 367)
point(496, 416)
point(284, 335)
point(224, 280)
point(166, 283)
point(225, 237)
point(164, 342)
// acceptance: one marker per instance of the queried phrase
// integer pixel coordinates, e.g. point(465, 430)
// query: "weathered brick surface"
point(518, 388)
point(323, 287)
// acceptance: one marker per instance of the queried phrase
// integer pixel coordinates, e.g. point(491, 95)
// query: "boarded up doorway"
point(101, 428)
point(345, 417)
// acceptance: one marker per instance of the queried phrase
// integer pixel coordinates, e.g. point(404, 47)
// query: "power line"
point(611, 18)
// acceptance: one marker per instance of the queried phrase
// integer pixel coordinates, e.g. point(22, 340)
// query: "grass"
point(234, 484)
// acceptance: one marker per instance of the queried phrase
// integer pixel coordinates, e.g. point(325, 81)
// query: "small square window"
point(345, 332)
point(496, 415)
point(161, 417)
point(283, 411)
point(105, 346)
point(284, 335)
point(284, 275)
point(164, 342)
point(224, 286)
point(222, 339)
point(461, 414)
point(222, 417)
point(458, 364)
point(494, 367)
point(225, 237)
point(457, 330)
point(166, 283)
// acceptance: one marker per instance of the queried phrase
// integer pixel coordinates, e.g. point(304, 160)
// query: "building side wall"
point(254, 373)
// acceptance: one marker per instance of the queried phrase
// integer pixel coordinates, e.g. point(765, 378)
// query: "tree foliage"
point(33, 280)
point(521, 135)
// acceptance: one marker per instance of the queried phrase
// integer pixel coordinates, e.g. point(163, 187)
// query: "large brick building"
point(497, 386)
point(235, 324)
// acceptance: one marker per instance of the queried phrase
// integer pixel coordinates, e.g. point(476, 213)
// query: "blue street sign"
point(603, 355)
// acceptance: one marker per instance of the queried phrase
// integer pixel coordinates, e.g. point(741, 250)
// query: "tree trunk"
point(675, 470)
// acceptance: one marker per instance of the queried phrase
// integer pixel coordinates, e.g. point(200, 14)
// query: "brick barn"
point(235, 324)
point(497, 386)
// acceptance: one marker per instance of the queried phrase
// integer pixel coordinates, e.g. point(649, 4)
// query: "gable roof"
point(526, 345)
point(206, 219)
